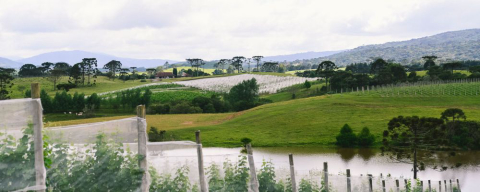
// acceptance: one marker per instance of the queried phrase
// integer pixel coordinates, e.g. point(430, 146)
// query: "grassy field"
point(313, 121)
point(163, 122)
point(316, 121)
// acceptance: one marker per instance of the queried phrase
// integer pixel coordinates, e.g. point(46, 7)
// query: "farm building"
point(165, 75)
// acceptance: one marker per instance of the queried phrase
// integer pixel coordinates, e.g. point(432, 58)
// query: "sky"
point(215, 29)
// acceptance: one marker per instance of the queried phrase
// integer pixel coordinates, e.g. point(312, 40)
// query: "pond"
point(359, 161)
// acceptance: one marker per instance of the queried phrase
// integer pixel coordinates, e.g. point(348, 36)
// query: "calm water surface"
point(359, 161)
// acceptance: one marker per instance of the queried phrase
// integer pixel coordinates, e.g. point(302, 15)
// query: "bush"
point(307, 84)
point(346, 138)
point(66, 86)
point(365, 138)
point(143, 80)
point(159, 109)
point(185, 108)
point(244, 95)
point(154, 134)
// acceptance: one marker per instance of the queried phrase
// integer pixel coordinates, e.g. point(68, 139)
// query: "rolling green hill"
point(316, 121)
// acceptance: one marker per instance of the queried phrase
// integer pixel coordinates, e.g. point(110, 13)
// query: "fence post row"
point(253, 174)
point(325, 172)
point(349, 184)
point(142, 147)
point(292, 173)
point(458, 186)
point(201, 171)
point(370, 184)
point(40, 172)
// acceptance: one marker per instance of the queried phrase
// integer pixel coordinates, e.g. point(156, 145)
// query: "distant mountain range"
point(455, 45)
point(300, 56)
point(7, 63)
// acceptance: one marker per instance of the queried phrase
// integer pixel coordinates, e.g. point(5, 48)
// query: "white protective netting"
point(17, 155)
point(96, 156)
point(267, 83)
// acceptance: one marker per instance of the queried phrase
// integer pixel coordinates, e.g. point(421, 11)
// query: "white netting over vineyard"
point(96, 156)
point(120, 131)
point(267, 83)
point(17, 154)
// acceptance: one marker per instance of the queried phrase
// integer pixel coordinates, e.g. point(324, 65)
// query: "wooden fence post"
point(439, 186)
point(446, 189)
point(383, 186)
point(292, 173)
point(325, 173)
point(349, 182)
point(201, 171)
point(253, 173)
point(398, 185)
point(406, 186)
point(40, 172)
point(370, 184)
point(421, 186)
point(451, 188)
point(429, 186)
point(142, 147)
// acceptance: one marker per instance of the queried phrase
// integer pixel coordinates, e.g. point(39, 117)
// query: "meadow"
point(312, 121)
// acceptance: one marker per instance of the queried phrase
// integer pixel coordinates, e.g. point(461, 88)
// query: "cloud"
point(213, 29)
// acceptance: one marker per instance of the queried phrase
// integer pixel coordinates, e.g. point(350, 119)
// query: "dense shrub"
point(184, 108)
point(66, 86)
point(235, 176)
point(365, 138)
point(154, 134)
point(266, 178)
point(244, 95)
point(346, 138)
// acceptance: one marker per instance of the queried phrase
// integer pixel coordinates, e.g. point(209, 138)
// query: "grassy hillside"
point(313, 121)
point(316, 121)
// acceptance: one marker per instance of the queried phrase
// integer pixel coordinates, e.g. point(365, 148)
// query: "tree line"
point(381, 72)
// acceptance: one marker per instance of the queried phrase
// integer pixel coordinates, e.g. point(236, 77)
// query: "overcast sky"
point(214, 29)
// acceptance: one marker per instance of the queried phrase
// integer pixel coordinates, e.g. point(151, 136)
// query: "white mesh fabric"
point(16, 115)
point(17, 156)
point(122, 131)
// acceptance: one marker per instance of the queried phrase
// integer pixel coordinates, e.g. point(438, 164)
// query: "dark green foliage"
point(365, 138)
point(108, 168)
point(412, 77)
point(307, 84)
point(93, 101)
point(159, 109)
point(66, 86)
point(266, 178)
point(78, 102)
point(235, 176)
point(453, 113)
point(184, 108)
point(358, 68)
point(154, 134)
point(244, 95)
point(46, 100)
point(6, 79)
point(18, 161)
point(179, 183)
point(346, 138)
point(175, 72)
point(308, 185)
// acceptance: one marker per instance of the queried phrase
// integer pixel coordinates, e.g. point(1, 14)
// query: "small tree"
point(244, 95)
point(326, 69)
point(55, 76)
point(346, 138)
point(307, 84)
point(365, 138)
point(113, 66)
point(175, 72)
point(245, 141)
point(453, 113)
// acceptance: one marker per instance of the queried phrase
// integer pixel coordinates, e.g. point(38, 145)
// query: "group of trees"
point(433, 137)
point(347, 138)
point(6, 78)
point(127, 100)
point(64, 102)
point(381, 72)
point(241, 97)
